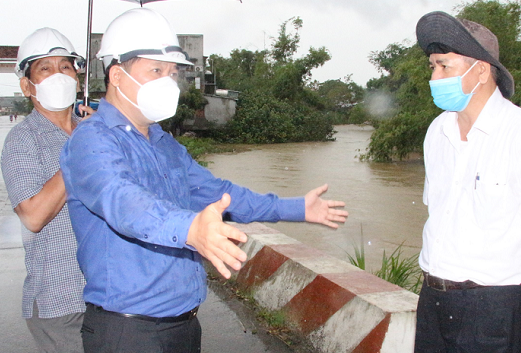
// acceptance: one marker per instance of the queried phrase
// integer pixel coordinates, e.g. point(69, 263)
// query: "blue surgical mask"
point(448, 93)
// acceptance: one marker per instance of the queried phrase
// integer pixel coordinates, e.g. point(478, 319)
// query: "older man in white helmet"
point(144, 211)
point(52, 296)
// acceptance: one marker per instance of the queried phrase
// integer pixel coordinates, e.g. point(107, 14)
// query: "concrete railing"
point(337, 306)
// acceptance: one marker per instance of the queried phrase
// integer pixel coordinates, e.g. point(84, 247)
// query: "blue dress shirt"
point(132, 201)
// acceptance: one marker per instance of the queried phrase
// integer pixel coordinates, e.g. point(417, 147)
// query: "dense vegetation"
point(403, 85)
point(23, 107)
point(278, 100)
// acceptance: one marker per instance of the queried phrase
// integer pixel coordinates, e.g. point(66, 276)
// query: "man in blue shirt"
point(144, 212)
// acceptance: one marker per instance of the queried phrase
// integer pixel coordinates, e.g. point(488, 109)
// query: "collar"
point(487, 121)
point(45, 125)
point(113, 117)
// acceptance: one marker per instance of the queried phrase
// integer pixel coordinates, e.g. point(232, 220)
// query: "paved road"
point(224, 329)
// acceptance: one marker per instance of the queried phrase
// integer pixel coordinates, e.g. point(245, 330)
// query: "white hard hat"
point(141, 33)
point(42, 43)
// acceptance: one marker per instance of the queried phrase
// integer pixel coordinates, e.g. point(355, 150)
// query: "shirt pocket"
point(491, 199)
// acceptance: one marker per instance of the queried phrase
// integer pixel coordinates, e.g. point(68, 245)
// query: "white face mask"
point(57, 92)
point(156, 99)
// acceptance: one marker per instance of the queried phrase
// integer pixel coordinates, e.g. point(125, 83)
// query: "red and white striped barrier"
point(337, 306)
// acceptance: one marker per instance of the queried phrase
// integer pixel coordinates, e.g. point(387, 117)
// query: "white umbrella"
point(141, 2)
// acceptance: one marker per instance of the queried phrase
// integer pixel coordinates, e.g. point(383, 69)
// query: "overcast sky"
point(349, 29)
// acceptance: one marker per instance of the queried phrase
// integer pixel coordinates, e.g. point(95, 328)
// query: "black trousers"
point(479, 320)
point(103, 332)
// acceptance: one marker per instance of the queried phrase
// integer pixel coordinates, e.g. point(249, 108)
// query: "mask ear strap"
point(470, 68)
point(128, 99)
point(32, 95)
point(133, 79)
point(471, 92)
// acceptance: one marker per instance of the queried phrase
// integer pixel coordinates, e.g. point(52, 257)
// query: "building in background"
point(221, 103)
point(192, 44)
point(8, 58)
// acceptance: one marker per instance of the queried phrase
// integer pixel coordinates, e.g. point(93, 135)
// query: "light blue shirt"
point(132, 201)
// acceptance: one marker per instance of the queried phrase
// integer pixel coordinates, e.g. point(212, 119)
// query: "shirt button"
point(174, 239)
point(146, 236)
point(128, 128)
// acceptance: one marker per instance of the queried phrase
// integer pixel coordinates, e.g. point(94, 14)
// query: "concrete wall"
point(193, 45)
point(8, 55)
point(97, 74)
point(337, 306)
point(218, 111)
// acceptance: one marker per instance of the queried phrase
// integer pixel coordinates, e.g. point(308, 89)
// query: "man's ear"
point(114, 75)
point(484, 72)
point(25, 86)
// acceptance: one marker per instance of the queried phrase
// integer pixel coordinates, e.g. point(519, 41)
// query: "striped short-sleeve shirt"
point(30, 157)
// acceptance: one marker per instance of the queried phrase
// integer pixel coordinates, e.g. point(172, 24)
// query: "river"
point(384, 200)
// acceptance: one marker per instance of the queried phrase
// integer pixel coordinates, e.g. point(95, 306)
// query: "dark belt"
point(444, 285)
point(183, 317)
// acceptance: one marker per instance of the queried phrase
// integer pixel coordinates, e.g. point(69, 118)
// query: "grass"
point(402, 271)
point(359, 259)
point(274, 319)
point(199, 147)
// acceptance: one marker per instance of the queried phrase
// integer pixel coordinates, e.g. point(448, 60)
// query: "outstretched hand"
point(210, 236)
point(324, 211)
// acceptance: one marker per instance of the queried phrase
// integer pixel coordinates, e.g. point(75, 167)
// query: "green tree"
point(242, 71)
point(190, 101)
point(504, 20)
point(290, 78)
point(276, 103)
point(262, 118)
point(405, 77)
point(340, 94)
point(385, 60)
point(340, 97)
point(23, 106)
point(286, 44)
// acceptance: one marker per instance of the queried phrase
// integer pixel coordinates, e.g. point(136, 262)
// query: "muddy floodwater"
point(384, 200)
